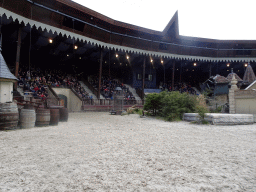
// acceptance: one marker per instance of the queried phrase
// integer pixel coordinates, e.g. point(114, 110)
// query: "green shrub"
point(138, 111)
point(218, 109)
point(153, 102)
point(175, 104)
point(170, 105)
point(201, 108)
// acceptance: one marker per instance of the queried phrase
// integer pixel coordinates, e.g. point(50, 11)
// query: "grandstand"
point(77, 57)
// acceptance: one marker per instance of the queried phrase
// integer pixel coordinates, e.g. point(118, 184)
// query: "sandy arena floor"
point(102, 152)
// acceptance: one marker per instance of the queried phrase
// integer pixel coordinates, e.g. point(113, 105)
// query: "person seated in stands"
point(46, 94)
point(43, 89)
point(26, 86)
point(20, 82)
point(53, 84)
point(36, 88)
point(35, 94)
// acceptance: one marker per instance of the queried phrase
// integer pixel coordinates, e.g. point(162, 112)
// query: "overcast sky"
point(217, 19)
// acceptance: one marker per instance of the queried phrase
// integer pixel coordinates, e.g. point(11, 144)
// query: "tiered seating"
point(37, 81)
point(108, 87)
point(181, 87)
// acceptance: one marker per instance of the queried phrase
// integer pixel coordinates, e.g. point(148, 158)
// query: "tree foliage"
point(153, 102)
point(170, 105)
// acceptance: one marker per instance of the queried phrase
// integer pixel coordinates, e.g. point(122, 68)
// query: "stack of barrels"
point(28, 117)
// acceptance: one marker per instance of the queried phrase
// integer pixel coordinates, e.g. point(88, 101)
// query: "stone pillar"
point(231, 95)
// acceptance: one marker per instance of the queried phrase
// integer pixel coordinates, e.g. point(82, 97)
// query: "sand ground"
point(102, 152)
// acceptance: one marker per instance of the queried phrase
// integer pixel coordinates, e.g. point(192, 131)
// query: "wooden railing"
point(111, 102)
point(140, 93)
point(93, 90)
point(79, 97)
point(53, 98)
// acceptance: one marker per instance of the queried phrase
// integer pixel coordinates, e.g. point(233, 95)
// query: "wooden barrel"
point(42, 117)
point(9, 116)
point(27, 118)
point(55, 116)
point(63, 114)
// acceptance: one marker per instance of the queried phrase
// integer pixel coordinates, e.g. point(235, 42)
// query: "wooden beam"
point(143, 76)
point(18, 57)
point(100, 71)
point(173, 69)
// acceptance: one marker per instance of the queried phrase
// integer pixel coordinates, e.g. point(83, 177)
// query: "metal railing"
point(111, 102)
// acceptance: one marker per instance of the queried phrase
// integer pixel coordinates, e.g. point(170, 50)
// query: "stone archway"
point(63, 100)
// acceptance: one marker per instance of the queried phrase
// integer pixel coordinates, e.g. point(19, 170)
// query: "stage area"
point(103, 152)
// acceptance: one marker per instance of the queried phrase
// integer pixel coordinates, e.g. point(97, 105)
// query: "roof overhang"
point(58, 31)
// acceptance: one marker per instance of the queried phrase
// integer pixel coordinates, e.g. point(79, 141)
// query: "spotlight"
point(50, 40)
point(228, 65)
point(162, 61)
point(127, 57)
point(151, 60)
point(245, 64)
point(194, 64)
point(75, 47)
point(67, 55)
point(116, 55)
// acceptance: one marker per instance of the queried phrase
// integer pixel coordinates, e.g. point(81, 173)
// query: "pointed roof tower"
point(249, 75)
point(230, 75)
point(5, 73)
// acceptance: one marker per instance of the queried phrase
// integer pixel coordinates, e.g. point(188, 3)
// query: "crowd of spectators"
point(181, 87)
point(108, 87)
point(36, 81)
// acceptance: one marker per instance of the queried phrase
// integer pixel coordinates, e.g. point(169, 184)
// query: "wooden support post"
point(100, 72)
point(210, 71)
point(18, 57)
point(143, 77)
point(164, 74)
point(180, 70)
point(173, 69)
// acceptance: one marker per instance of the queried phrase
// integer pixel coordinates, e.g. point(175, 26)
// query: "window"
point(150, 77)
point(139, 76)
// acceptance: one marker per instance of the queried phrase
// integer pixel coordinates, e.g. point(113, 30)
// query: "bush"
point(217, 110)
point(170, 105)
point(153, 102)
point(201, 108)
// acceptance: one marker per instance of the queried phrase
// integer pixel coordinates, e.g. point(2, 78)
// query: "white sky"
point(215, 19)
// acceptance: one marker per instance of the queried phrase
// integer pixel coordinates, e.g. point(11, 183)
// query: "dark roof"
point(249, 75)
point(4, 70)
point(220, 79)
point(230, 75)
